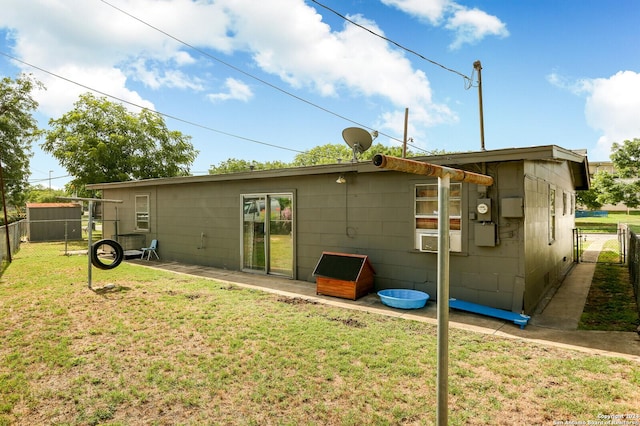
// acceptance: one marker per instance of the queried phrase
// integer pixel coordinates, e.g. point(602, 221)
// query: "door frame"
point(267, 197)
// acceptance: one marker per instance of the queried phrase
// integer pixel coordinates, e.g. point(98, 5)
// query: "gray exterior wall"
point(547, 261)
point(372, 214)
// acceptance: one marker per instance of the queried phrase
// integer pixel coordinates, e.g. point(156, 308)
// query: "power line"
point(241, 71)
point(38, 180)
point(142, 107)
point(194, 123)
point(468, 80)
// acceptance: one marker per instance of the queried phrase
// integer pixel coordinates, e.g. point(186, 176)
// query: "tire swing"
point(98, 254)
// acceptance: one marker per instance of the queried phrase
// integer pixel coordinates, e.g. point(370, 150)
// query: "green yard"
point(609, 223)
point(162, 348)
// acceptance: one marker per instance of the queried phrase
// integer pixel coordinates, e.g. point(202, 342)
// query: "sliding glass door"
point(267, 233)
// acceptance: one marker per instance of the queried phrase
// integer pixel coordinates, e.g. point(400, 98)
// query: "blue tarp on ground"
point(518, 319)
point(592, 213)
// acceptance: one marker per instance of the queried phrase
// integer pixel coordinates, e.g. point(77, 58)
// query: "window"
point(426, 217)
point(552, 214)
point(142, 213)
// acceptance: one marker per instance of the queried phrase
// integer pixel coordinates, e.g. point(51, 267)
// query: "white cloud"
point(102, 48)
point(472, 25)
point(308, 53)
point(612, 106)
point(237, 90)
point(59, 97)
point(430, 10)
point(155, 75)
point(469, 25)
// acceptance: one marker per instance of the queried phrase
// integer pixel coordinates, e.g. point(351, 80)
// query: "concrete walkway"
point(562, 310)
point(555, 325)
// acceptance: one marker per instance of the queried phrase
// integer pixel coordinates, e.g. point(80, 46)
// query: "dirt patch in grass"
point(296, 301)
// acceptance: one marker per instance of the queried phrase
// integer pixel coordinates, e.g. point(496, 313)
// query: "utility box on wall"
point(512, 207)
point(349, 276)
point(485, 234)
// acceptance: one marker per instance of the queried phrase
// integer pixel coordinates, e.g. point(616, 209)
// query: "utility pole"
point(50, 171)
point(406, 123)
point(478, 67)
point(6, 219)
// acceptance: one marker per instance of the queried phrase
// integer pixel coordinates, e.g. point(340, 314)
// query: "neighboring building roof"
point(577, 161)
point(606, 166)
point(49, 205)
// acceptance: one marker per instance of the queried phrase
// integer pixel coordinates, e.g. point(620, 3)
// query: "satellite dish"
point(358, 139)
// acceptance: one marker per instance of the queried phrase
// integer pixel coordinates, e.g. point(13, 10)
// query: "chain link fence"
point(634, 264)
point(70, 237)
point(10, 239)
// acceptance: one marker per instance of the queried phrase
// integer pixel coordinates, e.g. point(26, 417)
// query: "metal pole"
point(478, 67)
point(90, 226)
point(443, 299)
point(445, 176)
point(89, 238)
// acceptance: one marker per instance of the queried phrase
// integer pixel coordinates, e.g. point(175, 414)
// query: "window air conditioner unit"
point(428, 242)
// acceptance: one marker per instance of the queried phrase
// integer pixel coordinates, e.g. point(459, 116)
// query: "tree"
point(334, 153)
point(588, 199)
point(234, 165)
point(607, 188)
point(623, 188)
point(18, 130)
point(42, 194)
point(323, 154)
point(626, 158)
point(101, 141)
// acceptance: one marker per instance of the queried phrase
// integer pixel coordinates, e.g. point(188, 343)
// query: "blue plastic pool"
point(403, 299)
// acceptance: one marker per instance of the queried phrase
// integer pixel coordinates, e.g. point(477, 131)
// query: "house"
point(510, 242)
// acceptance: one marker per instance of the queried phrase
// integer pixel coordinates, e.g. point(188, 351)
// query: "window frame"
point(138, 211)
point(429, 196)
point(265, 216)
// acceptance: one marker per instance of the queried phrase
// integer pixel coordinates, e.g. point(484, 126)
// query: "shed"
point(54, 221)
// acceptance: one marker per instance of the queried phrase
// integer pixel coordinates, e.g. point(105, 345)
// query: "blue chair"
point(151, 250)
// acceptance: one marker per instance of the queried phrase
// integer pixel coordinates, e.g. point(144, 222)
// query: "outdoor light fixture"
point(341, 179)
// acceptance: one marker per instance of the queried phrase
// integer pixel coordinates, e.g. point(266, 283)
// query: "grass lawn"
point(162, 348)
point(610, 303)
point(609, 223)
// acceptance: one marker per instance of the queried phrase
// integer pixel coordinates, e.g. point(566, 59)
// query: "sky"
point(266, 80)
